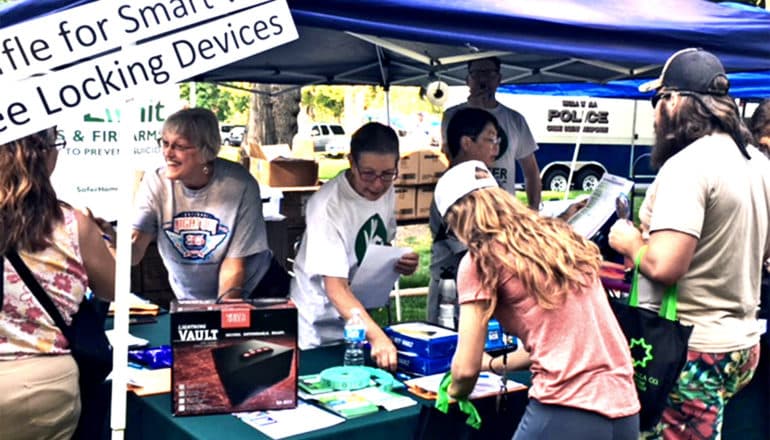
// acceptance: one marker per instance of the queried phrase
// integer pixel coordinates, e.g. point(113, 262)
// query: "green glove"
point(465, 405)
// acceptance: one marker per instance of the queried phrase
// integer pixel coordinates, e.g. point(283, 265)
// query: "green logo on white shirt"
point(372, 232)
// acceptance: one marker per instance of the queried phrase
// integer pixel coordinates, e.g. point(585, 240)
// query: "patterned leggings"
point(696, 405)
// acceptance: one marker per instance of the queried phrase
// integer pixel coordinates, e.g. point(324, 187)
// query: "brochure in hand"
point(601, 205)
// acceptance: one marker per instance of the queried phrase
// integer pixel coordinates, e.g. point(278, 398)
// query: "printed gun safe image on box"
point(251, 367)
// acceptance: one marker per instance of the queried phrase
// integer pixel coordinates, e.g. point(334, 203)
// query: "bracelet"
point(491, 368)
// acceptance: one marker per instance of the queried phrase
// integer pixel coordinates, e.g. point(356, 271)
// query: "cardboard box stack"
point(418, 172)
point(276, 166)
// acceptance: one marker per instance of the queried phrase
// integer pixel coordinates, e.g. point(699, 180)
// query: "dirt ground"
point(418, 231)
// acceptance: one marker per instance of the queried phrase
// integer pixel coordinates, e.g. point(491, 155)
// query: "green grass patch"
point(329, 168)
point(412, 309)
point(421, 245)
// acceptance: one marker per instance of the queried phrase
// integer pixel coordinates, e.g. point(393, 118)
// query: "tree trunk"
point(273, 117)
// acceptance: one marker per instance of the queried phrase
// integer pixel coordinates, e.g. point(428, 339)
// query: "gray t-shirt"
point(197, 229)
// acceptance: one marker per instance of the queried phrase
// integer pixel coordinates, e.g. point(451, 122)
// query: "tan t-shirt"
point(710, 191)
point(580, 357)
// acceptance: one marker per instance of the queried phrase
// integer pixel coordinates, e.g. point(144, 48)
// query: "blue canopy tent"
point(742, 85)
point(410, 42)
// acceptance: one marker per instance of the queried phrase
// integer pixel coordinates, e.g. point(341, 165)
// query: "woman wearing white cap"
point(539, 279)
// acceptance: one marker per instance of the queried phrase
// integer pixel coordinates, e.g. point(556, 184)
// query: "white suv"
point(330, 139)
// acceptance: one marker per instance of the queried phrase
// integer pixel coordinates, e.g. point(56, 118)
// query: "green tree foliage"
point(229, 104)
point(324, 103)
point(327, 103)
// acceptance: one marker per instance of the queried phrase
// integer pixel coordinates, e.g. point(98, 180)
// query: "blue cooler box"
point(412, 364)
point(423, 339)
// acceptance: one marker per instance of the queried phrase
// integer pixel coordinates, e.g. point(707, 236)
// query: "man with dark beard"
point(708, 229)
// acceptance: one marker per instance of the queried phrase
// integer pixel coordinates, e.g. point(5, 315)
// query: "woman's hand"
point(108, 231)
point(407, 264)
point(625, 238)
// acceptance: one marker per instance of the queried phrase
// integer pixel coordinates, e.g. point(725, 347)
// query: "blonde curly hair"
point(545, 254)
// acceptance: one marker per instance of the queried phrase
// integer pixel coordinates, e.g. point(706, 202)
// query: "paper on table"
point(376, 275)
point(601, 205)
point(138, 306)
point(149, 382)
point(488, 384)
point(288, 422)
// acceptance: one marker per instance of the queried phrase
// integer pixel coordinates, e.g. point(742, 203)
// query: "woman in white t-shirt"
point(348, 213)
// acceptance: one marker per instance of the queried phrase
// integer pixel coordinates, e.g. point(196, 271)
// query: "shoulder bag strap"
point(633, 295)
point(2, 280)
point(668, 303)
point(668, 306)
point(36, 289)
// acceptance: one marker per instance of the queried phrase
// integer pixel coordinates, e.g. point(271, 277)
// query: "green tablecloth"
point(746, 416)
point(150, 417)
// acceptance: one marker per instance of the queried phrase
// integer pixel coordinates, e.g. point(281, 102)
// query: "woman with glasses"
point(205, 213)
point(349, 213)
point(65, 251)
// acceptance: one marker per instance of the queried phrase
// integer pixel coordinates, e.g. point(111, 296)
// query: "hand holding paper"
point(407, 264)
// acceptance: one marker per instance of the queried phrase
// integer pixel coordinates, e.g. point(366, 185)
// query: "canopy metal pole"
point(575, 153)
point(631, 160)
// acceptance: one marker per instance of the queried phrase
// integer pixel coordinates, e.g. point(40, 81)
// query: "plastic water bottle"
point(355, 335)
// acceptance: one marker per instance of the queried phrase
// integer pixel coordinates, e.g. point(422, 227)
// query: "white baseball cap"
point(459, 181)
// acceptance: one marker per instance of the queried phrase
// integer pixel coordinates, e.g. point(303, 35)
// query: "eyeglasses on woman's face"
point(369, 175)
point(51, 139)
point(488, 139)
point(60, 144)
point(164, 144)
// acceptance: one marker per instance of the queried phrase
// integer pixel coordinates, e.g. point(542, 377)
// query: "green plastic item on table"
point(465, 405)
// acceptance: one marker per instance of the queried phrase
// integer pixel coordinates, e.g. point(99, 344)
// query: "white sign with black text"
point(110, 49)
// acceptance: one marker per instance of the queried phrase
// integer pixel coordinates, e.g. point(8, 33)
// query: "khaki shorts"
point(39, 398)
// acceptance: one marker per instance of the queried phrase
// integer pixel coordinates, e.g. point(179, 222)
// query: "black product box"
point(233, 357)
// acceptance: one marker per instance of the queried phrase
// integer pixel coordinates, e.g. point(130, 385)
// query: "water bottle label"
point(355, 334)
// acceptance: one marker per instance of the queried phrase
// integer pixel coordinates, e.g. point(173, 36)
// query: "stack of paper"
point(488, 384)
point(138, 307)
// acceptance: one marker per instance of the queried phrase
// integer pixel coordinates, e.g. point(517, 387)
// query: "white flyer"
point(288, 422)
point(601, 205)
point(376, 275)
